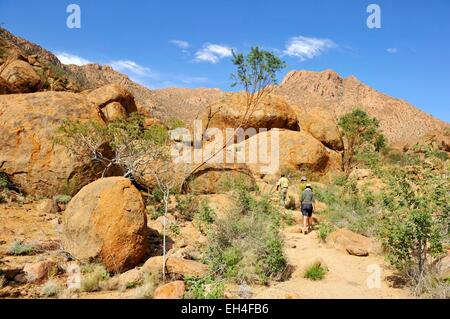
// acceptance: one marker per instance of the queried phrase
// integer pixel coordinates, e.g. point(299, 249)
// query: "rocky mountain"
point(401, 122)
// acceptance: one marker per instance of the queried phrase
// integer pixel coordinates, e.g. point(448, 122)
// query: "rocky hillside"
point(402, 122)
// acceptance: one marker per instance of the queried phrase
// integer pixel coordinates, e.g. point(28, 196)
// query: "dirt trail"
point(347, 276)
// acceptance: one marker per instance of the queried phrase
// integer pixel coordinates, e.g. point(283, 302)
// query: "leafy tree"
point(415, 227)
point(361, 133)
point(123, 143)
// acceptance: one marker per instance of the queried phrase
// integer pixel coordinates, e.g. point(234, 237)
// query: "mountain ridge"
point(402, 122)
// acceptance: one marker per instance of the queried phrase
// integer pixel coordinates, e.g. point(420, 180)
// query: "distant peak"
point(353, 78)
point(296, 75)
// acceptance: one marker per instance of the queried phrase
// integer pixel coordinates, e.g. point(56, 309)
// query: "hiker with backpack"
point(307, 208)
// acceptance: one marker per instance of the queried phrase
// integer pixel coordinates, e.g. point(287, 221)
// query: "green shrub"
point(340, 180)
point(203, 288)
point(246, 245)
point(350, 207)
point(228, 182)
point(51, 289)
point(205, 213)
point(2, 199)
point(4, 181)
point(415, 226)
point(92, 276)
point(158, 134)
point(149, 283)
point(19, 249)
point(315, 272)
point(187, 206)
point(324, 230)
point(174, 229)
point(62, 199)
point(175, 123)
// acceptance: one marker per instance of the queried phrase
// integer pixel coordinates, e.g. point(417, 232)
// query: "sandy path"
point(347, 276)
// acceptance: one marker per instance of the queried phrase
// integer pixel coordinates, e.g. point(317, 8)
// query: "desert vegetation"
point(103, 204)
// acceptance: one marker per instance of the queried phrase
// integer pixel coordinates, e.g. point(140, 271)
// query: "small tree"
point(256, 74)
point(123, 144)
point(138, 152)
point(361, 134)
point(416, 223)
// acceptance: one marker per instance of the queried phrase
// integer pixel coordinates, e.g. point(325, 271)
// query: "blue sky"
point(187, 43)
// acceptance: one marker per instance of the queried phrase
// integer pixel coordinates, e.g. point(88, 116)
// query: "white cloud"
point(213, 53)
point(180, 43)
point(392, 50)
point(67, 58)
point(132, 68)
point(307, 48)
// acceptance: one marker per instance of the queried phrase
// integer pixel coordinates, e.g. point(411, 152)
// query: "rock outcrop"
point(322, 125)
point(400, 121)
point(298, 151)
point(111, 93)
point(28, 155)
point(28, 123)
point(353, 243)
point(171, 290)
point(106, 221)
point(21, 75)
point(272, 112)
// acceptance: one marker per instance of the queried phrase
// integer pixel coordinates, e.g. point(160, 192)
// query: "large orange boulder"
point(107, 94)
point(353, 243)
point(176, 266)
point(321, 124)
point(106, 221)
point(21, 75)
point(291, 150)
point(5, 87)
point(272, 112)
point(213, 178)
point(28, 154)
point(172, 290)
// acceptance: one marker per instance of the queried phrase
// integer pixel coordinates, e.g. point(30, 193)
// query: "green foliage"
point(92, 275)
point(324, 230)
point(187, 206)
point(229, 182)
point(246, 245)
point(340, 180)
point(416, 225)
point(315, 272)
point(174, 229)
point(65, 199)
point(362, 135)
point(350, 207)
point(51, 289)
point(205, 213)
point(4, 181)
point(124, 144)
point(158, 134)
point(175, 123)
point(203, 288)
point(149, 284)
point(20, 249)
point(257, 70)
